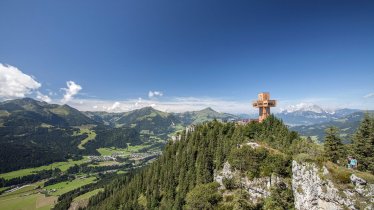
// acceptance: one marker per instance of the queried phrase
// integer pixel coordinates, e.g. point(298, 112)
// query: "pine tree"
point(309, 139)
point(363, 144)
point(370, 158)
point(333, 145)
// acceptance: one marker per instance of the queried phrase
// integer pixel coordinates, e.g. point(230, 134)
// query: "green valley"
point(61, 145)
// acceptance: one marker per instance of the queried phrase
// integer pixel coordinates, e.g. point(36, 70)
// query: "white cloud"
point(71, 91)
point(43, 97)
point(114, 106)
point(14, 83)
point(152, 94)
point(138, 103)
point(369, 95)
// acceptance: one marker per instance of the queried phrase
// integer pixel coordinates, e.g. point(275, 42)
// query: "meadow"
point(63, 166)
point(82, 200)
point(64, 187)
point(27, 198)
point(108, 151)
point(90, 136)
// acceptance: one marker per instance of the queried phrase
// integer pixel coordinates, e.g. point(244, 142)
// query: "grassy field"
point(63, 187)
point(82, 200)
point(91, 135)
point(121, 172)
point(3, 188)
point(109, 151)
point(27, 198)
point(127, 151)
point(86, 196)
point(61, 165)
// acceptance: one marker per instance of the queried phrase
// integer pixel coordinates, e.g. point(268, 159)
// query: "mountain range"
point(312, 120)
point(29, 112)
point(34, 133)
point(158, 122)
point(308, 114)
point(347, 125)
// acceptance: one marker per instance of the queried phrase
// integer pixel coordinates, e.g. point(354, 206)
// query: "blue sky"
point(186, 55)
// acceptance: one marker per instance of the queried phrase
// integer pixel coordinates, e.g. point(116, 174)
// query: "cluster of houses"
point(133, 156)
point(144, 155)
point(102, 158)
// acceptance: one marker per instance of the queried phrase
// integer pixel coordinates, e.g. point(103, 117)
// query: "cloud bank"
point(114, 107)
point(180, 104)
point(14, 83)
point(183, 104)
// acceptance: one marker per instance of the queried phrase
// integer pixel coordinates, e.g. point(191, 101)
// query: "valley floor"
point(37, 196)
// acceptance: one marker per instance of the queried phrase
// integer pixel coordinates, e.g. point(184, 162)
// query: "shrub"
point(229, 183)
point(204, 196)
point(340, 175)
point(281, 198)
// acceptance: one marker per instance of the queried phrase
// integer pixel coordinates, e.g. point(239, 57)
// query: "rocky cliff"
point(314, 189)
point(257, 188)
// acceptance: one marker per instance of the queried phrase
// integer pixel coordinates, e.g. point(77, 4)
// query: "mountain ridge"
point(28, 111)
point(346, 125)
point(34, 133)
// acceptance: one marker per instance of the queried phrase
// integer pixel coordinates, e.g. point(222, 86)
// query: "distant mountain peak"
point(304, 107)
point(31, 111)
point(208, 109)
point(148, 108)
point(24, 101)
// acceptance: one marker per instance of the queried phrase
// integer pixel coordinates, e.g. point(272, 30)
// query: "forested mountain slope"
point(148, 118)
point(187, 167)
point(253, 166)
point(29, 112)
point(204, 115)
point(34, 133)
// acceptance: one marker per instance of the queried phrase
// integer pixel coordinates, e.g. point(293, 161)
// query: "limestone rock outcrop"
point(257, 188)
point(313, 190)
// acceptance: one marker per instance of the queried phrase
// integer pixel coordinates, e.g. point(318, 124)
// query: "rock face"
point(257, 188)
point(313, 191)
point(312, 188)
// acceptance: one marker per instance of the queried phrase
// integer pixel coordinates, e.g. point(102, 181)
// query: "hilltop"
point(30, 112)
point(252, 166)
